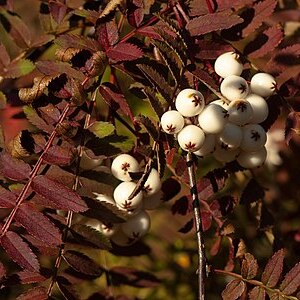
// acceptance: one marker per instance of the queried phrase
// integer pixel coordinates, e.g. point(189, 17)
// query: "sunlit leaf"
point(36, 293)
point(66, 41)
point(273, 269)
point(249, 266)
point(18, 68)
point(101, 129)
point(257, 293)
point(233, 290)
point(291, 281)
point(124, 52)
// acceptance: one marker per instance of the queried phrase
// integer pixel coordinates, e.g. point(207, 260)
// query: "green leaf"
point(19, 68)
point(2, 100)
point(101, 129)
point(36, 120)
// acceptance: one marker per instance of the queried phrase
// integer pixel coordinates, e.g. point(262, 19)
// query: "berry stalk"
point(202, 264)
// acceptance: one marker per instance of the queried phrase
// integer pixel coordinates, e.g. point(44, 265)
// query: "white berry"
point(254, 159)
point(263, 84)
point(228, 64)
point(137, 226)
point(221, 102)
point(191, 138)
point(122, 193)
point(208, 146)
point(189, 102)
point(122, 165)
point(231, 135)
point(260, 108)
point(254, 137)
point(240, 112)
point(234, 88)
point(224, 154)
point(152, 184)
point(213, 118)
point(172, 121)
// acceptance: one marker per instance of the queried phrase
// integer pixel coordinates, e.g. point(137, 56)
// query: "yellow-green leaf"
point(102, 129)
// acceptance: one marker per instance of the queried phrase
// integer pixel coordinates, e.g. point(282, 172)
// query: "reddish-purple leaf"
point(28, 277)
point(7, 198)
point(2, 271)
point(262, 10)
point(135, 12)
point(49, 67)
point(19, 251)
point(57, 155)
point(249, 266)
point(77, 41)
point(42, 247)
point(291, 125)
point(62, 196)
point(205, 78)
point(291, 281)
point(82, 263)
point(206, 219)
point(257, 293)
point(265, 42)
point(234, 290)
point(211, 49)
point(37, 224)
point(233, 4)
point(275, 295)
point(124, 52)
point(133, 277)
point(36, 293)
point(58, 11)
point(107, 34)
point(115, 98)
point(273, 269)
point(13, 168)
point(212, 22)
point(150, 32)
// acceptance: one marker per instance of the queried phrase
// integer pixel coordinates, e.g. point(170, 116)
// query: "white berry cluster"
point(138, 221)
point(228, 127)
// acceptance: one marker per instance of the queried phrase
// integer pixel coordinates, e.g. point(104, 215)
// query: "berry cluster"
point(228, 127)
point(138, 221)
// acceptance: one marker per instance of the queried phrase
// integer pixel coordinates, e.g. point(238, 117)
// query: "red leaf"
point(265, 42)
point(4, 57)
point(19, 251)
point(7, 198)
point(205, 188)
point(36, 293)
point(66, 41)
point(13, 168)
point(291, 281)
point(58, 11)
point(262, 10)
point(67, 289)
point(124, 52)
point(135, 12)
point(58, 193)
point(115, 99)
point(57, 155)
point(205, 78)
point(249, 266)
point(82, 263)
point(206, 219)
point(234, 290)
point(257, 293)
point(107, 34)
point(211, 49)
point(213, 22)
point(27, 277)
point(37, 224)
point(273, 269)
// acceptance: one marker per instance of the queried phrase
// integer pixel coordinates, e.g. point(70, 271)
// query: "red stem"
point(210, 8)
point(33, 173)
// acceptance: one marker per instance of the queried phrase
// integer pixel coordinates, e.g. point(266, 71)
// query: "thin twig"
point(199, 230)
point(74, 188)
point(34, 172)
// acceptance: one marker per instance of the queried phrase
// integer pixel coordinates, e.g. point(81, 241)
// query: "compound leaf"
point(291, 281)
point(234, 290)
point(124, 52)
